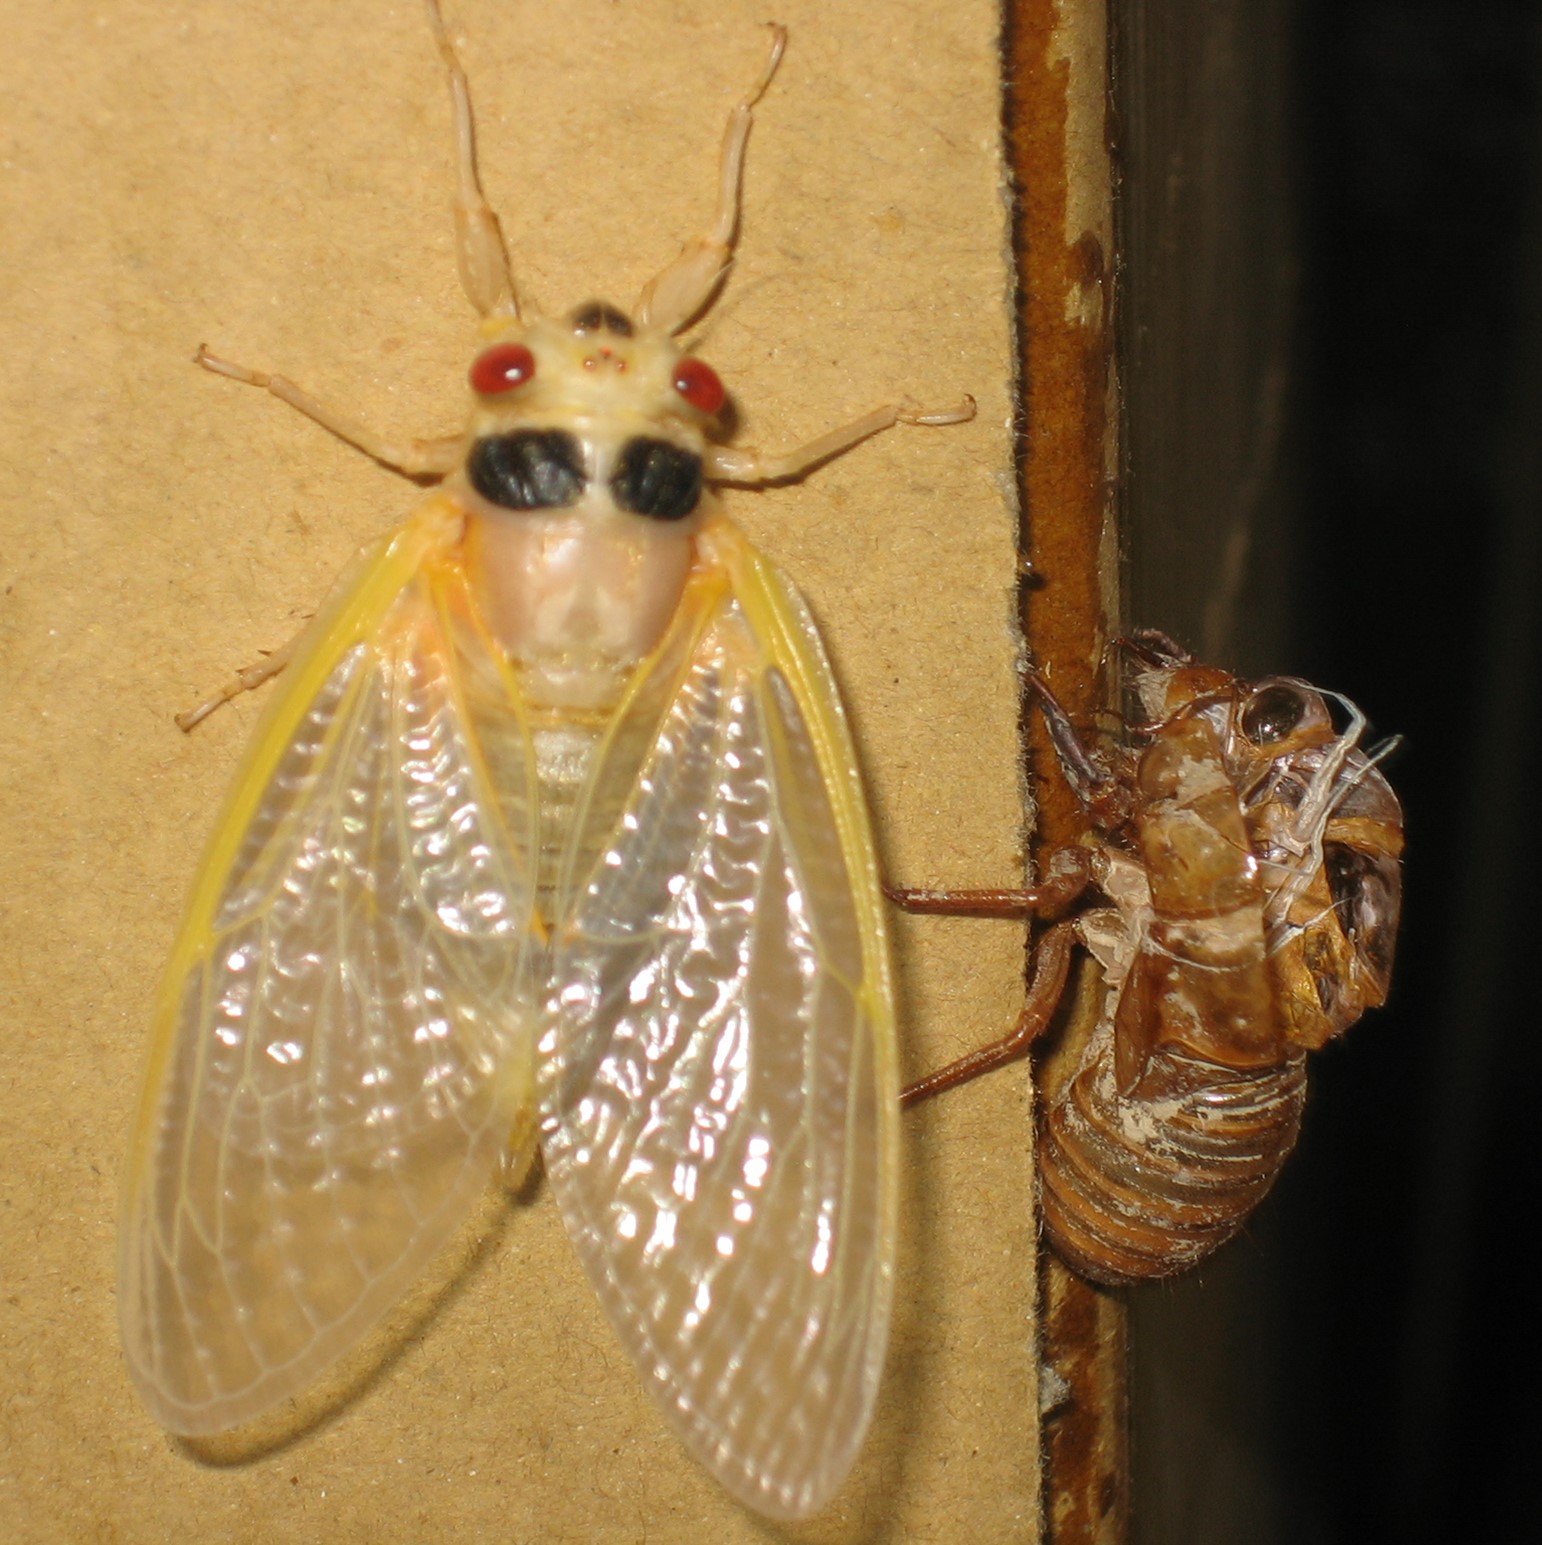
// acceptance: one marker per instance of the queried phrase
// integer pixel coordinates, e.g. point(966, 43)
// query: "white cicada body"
point(552, 832)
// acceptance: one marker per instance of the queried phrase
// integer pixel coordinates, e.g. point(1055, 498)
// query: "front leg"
point(748, 467)
point(415, 458)
point(1067, 874)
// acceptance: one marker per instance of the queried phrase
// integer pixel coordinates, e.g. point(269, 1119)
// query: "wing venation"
point(346, 1032)
point(718, 1083)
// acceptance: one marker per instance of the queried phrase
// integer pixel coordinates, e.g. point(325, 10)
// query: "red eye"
point(501, 368)
point(699, 385)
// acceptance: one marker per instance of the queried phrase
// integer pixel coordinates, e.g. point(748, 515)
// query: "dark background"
point(1411, 1221)
point(1356, 187)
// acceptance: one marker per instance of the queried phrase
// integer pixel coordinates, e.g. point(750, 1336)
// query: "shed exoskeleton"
point(1244, 864)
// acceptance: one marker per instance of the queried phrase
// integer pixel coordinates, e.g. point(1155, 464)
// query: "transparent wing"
point(719, 1092)
point(344, 1037)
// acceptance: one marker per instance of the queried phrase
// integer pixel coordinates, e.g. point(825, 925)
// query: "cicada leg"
point(1069, 874)
point(413, 457)
point(746, 466)
point(1152, 648)
point(246, 680)
point(485, 275)
point(1052, 964)
point(1105, 798)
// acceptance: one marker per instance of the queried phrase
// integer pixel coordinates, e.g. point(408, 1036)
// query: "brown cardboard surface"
point(273, 179)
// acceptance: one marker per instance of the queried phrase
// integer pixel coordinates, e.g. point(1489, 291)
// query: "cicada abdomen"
point(1253, 884)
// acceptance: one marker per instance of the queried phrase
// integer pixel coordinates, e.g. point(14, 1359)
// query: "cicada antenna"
point(682, 290)
point(480, 253)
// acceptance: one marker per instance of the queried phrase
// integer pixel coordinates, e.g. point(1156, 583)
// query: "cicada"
point(552, 835)
point(1247, 851)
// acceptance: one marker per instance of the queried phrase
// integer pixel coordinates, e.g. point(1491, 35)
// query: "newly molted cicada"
point(1248, 853)
point(552, 833)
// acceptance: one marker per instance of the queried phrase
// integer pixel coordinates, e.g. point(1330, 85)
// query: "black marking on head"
point(657, 478)
point(599, 316)
point(531, 469)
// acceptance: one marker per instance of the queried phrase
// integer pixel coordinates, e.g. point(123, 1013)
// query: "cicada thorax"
point(583, 481)
point(585, 498)
point(1254, 893)
point(1202, 976)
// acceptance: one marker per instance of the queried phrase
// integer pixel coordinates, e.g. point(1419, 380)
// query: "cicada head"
point(589, 408)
